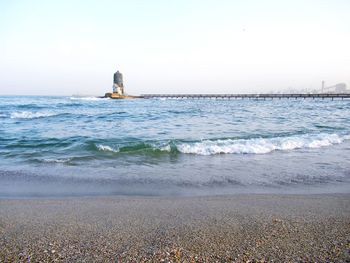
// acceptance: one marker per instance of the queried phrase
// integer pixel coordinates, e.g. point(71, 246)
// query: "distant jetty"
point(118, 88)
point(249, 96)
point(119, 93)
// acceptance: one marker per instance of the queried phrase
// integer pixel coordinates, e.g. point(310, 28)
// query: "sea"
point(88, 146)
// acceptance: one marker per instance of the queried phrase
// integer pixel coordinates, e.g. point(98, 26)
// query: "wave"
point(30, 115)
point(29, 106)
point(228, 146)
point(82, 148)
point(135, 148)
point(260, 145)
point(106, 148)
point(88, 98)
point(66, 160)
point(69, 104)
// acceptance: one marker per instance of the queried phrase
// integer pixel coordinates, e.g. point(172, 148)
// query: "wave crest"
point(30, 115)
point(64, 160)
point(106, 148)
point(134, 148)
point(230, 146)
point(259, 145)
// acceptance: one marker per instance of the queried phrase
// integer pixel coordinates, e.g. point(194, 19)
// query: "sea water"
point(77, 146)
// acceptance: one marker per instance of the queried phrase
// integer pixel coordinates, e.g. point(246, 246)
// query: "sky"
point(68, 47)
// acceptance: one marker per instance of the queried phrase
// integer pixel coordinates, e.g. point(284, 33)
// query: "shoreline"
point(267, 227)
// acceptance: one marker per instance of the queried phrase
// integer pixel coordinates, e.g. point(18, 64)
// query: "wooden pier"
point(249, 96)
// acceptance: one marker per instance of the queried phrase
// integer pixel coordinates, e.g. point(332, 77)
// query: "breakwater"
point(251, 96)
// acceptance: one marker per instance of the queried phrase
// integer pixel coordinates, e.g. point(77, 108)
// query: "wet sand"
point(233, 228)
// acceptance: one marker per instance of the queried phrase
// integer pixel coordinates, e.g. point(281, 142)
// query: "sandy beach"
point(235, 228)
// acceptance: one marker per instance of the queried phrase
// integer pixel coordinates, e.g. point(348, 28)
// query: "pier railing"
point(250, 96)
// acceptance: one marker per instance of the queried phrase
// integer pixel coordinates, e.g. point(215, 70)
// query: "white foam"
point(260, 145)
point(56, 160)
point(106, 148)
point(30, 115)
point(165, 148)
point(346, 137)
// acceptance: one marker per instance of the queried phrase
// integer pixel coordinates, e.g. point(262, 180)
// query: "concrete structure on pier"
point(337, 88)
point(118, 88)
point(118, 84)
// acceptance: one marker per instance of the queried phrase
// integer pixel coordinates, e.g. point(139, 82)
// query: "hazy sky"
point(183, 46)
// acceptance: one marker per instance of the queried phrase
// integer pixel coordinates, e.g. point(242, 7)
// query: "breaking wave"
point(227, 146)
point(106, 148)
point(260, 145)
point(135, 148)
point(65, 160)
point(30, 115)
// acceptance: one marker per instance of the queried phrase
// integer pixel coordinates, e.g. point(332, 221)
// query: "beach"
point(231, 228)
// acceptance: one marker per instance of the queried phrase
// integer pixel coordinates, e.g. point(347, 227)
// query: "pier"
point(249, 96)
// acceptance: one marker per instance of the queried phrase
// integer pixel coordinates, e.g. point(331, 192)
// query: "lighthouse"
point(118, 85)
